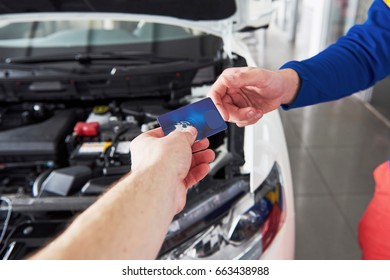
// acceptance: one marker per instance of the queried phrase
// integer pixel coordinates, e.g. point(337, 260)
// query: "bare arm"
point(131, 220)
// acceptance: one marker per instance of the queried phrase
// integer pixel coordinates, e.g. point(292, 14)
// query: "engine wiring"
point(7, 217)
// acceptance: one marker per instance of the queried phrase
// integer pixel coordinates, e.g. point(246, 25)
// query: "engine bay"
point(57, 159)
point(89, 146)
point(66, 124)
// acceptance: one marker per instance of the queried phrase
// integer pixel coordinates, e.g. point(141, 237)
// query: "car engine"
point(56, 159)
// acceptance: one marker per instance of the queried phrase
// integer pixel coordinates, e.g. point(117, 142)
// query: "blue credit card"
point(203, 115)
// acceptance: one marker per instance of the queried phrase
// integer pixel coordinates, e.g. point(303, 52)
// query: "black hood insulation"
point(184, 9)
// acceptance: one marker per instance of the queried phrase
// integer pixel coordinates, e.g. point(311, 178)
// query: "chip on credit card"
point(203, 115)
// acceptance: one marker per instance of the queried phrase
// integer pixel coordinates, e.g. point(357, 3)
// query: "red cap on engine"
point(86, 129)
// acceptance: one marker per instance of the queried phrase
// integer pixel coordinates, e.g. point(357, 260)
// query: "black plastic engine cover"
point(41, 141)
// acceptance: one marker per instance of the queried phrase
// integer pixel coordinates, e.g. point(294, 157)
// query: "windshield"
point(78, 33)
point(90, 56)
point(26, 38)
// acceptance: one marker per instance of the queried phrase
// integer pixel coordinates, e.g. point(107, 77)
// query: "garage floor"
point(334, 147)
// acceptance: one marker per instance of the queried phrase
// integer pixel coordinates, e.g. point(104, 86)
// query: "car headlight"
point(245, 231)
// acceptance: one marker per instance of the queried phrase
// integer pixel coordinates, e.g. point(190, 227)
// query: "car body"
point(80, 80)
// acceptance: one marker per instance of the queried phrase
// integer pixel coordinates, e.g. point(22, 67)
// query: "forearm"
point(290, 84)
point(355, 62)
point(128, 222)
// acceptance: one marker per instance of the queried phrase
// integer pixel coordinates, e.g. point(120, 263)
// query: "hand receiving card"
point(203, 115)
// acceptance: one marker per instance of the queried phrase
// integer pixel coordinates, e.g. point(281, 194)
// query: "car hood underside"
point(184, 9)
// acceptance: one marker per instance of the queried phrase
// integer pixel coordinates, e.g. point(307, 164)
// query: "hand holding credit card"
point(203, 115)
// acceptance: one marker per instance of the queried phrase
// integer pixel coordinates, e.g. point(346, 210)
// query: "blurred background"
point(333, 147)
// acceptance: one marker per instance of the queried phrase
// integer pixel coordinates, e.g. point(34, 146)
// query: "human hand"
point(243, 95)
point(175, 159)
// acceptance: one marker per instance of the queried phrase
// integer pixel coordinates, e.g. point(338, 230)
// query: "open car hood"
point(214, 15)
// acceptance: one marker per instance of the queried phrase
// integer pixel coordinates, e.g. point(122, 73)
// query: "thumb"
point(189, 132)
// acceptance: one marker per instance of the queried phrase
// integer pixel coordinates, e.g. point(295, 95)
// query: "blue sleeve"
point(355, 62)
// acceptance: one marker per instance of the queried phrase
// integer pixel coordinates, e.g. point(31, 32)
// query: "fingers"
point(246, 123)
point(232, 78)
point(216, 93)
point(199, 167)
point(243, 115)
point(196, 147)
point(189, 133)
point(157, 132)
point(200, 145)
point(196, 174)
point(205, 156)
point(234, 104)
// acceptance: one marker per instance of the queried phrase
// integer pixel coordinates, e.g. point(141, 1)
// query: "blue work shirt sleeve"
point(355, 62)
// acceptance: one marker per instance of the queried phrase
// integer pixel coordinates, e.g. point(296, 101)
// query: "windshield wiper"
point(6, 67)
point(133, 58)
